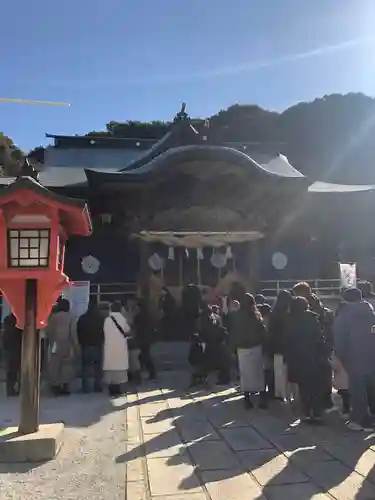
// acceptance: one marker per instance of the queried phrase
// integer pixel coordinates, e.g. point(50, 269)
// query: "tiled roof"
point(114, 159)
point(56, 177)
point(93, 141)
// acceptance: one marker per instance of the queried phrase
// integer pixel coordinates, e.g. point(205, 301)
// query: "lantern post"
point(30, 364)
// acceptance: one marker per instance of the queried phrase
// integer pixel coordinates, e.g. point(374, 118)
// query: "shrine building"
point(185, 209)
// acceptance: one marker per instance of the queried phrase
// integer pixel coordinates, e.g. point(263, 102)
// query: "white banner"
point(348, 275)
point(78, 294)
point(5, 309)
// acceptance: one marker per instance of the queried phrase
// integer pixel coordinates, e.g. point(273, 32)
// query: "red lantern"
point(34, 226)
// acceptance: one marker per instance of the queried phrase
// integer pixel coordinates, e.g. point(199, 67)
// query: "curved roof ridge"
point(280, 165)
point(199, 153)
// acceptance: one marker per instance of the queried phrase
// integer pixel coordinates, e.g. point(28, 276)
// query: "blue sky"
point(138, 59)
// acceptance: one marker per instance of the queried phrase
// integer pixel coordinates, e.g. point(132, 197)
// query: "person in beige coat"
point(62, 339)
point(116, 354)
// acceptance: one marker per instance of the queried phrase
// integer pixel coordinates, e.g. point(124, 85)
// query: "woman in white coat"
point(116, 355)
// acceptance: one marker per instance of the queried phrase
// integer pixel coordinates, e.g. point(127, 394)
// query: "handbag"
point(127, 336)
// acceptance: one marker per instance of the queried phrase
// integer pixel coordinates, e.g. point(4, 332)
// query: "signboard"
point(348, 275)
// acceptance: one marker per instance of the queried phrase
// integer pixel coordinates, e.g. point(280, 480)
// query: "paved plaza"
point(164, 443)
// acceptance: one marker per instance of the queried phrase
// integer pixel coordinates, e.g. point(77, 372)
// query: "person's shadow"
point(327, 455)
point(195, 429)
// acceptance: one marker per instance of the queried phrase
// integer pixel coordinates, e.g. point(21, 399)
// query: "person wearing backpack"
point(116, 353)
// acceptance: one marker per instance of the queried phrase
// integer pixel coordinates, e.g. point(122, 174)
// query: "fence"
point(324, 288)
point(108, 292)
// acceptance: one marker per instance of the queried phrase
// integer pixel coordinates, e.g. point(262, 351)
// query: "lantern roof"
point(74, 212)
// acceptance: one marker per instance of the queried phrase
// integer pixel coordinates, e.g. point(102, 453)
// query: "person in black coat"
point(278, 322)
point(191, 307)
point(215, 337)
point(12, 344)
point(168, 327)
point(248, 336)
point(276, 339)
point(326, 320)
point(306, 356)
point(90, 333)
point(144, 336)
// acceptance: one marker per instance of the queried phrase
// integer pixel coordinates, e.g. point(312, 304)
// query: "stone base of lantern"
point(40, 446)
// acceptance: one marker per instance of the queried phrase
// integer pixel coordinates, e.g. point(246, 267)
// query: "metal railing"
point(108, 292)
point(324, 288)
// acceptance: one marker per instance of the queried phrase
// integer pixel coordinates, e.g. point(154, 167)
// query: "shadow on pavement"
point(285, 458)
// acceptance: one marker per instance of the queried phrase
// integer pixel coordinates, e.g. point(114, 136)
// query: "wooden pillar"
point(30, 365)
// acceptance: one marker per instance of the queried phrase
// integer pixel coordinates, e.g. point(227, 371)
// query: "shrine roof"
point(329, 187)
point(278, 167)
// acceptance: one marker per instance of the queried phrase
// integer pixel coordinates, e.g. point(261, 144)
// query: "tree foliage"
point(11, 157)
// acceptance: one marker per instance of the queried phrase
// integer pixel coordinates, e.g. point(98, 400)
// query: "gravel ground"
point(86, 466)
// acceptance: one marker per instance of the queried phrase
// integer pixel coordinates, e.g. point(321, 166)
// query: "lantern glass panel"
point(24, 253)
point(44, 248)
point(28, 247)
point(14, 250)
point(34, 242)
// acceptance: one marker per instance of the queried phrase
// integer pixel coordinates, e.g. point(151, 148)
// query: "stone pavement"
point(163, 443)
point(204, 445)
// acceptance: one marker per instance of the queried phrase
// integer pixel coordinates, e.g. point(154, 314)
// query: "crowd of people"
point(296, 350)
point(109, 345)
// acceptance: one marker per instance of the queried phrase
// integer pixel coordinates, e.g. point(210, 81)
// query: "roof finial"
point(182, 115)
